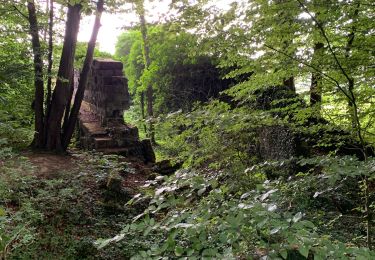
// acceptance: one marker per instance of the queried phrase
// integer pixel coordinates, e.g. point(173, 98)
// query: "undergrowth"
point(228, 203)
point(212, 215)
point(59, 215)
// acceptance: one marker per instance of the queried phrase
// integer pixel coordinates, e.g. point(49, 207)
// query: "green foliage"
point(179, 78)
point(231, 201)
point(133, 62)
point(57, 214)
point(125, 43)
point(16, 228)
point(81, 54)
point(132, 116)
point(209, 215)
point(273, 41)
point(212, 136)
point(16, 81)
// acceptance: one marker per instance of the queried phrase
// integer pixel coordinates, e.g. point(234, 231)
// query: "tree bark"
point(289, 83)
point(348, 48)
point(38, 74)
point(60, 94)
point(143, 111)
point(150, 112)
point(68, 103)
point(68, 133)
point(49, 68)
point(316, 81)
point(50, 52)
point(316, 78)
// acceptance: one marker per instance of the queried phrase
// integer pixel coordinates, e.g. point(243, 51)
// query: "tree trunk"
point(46, 26)
point(60, 94)
point(68, 103)
point(38, 74)
point(50, 52)
point(316, 81)
point(143, 111)
point(286, 18)
point(150, 112)
point(289, 83)
point(68, 133)
point(49, 69)
point(146, 55)
point(348, 49)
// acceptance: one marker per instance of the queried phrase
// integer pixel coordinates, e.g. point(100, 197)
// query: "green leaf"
point(2, 212)
point(275, 230)
point(209, 252)
point(284, 253)
point(178, 250)
point(297, 217)
point(147, 231)
point(126, 229)
point(303, 250)
point(190, 252)
point(143, 254)
point(101, 243)
point(201, 191)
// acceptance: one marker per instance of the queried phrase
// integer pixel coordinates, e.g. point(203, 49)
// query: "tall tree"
point(129, 50)
point(61, 91)
point(140, 9)
point(316, 80)
point(38, 70)
point(51, 132)
point(318, 48)
point(50, 53)
point(353, 17)
point(69, 129)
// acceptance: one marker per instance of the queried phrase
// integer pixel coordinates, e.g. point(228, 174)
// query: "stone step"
point(94, 129)
point(104, 142)
point(119, 151)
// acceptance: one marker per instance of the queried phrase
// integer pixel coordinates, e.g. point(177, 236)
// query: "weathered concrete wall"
point(101, 123)
point(276, 143)
point(107, 90)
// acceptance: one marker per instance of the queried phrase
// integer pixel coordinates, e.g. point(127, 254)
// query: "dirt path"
point(49, 165)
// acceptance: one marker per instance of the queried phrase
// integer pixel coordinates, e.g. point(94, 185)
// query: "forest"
point(236, 129)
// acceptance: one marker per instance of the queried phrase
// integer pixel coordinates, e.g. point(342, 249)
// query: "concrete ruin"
point(101, 122)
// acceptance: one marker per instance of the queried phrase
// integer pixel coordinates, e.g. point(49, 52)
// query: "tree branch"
point(19, 12)
point(321, 28)
point(312, 67)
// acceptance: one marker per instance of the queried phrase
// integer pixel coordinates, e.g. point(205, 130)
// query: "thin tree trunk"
point(286, 18)
point(60, 94)
point(49, 69)
point(38, 74)
point(150, 112)
point(46, 28)
point(50, 52)
point(68, 103)
point(143, 111)
point(289, 83)
point(316, 81)
point(146, 55)
point(84, 77)
point(348, 48)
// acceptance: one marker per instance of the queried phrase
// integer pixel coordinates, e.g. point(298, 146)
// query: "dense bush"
point(229, 215)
